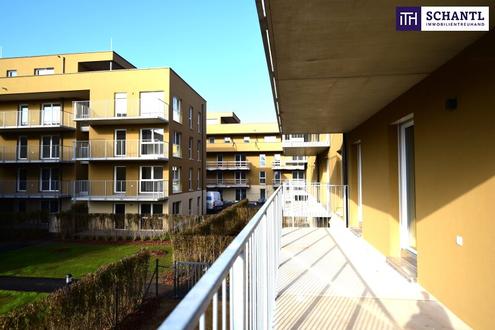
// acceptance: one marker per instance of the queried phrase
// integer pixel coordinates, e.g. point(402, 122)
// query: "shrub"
point(89, 303)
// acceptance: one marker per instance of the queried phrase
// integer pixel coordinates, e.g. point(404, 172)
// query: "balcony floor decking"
point(330, 279)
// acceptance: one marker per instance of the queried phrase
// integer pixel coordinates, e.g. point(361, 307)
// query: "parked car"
point(213, 201)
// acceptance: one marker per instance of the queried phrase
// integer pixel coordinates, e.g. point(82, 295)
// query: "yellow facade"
point(108, 114)
point(248, 160)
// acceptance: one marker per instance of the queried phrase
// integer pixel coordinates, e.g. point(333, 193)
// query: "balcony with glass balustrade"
point(51, 117)
point(143, 110)
point(120, 190)
point(105, 150)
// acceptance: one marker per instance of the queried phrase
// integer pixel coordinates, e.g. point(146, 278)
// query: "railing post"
point(237, 287)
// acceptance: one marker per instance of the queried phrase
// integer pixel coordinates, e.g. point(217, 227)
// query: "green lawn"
point(11, 299)
point(56, 259)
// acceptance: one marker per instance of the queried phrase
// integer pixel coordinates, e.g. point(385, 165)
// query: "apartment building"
point(92, 128)
point(416, 113)
point(247, 160)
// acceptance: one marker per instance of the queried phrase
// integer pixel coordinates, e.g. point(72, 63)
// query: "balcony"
point(111, 150)
point(227, 183)
point(35, 189)
point(120, 190)
point(113, 112)
point(305, 144)
point(289, 269)
point(36, 120)
point(225, 165)
point(35, 154)
point(287, 165)
point(252, 146)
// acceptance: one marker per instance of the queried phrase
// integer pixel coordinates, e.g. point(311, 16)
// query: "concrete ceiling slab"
point(337, 62)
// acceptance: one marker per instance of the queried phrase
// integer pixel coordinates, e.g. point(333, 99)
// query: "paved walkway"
point(330, 279)
point(38, 284)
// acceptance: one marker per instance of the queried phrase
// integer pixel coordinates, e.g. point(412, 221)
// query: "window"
point(277, 177)
point(151, 179)
point(49, 179)
point(198, 206)
point(198, 180)
point(50, 206)
point(176, 149)
point(120, 104)
point(119, 211)
point(297, 175)
point(219, 177)
point(23, 115)
point(119, 179)
point(176, 108)
point(43, 71)
point(240, 194)
point(190, 148)
point(22, 147)
point(270, 138)
point(227, 139)
point(176, 184)
point(262, 194)
point(190, 178)
point(262, 177)
point(51, 114)
point(152, 141)
point(176, 208)
point(240, 177)
point(198, 150)
point(11, 73)
point(151, 209)
point(190, 117)
point(262, 160)
point(21, 179)
point(277, 160)
point(211, 140)
point(247, 139)
point(199, 120)
point(50, 147)
point(190, 206)
point(151, 104)
point(240, 160)
point(120, 144)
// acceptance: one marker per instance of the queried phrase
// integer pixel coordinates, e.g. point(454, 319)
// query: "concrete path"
point(38, 284)
point(331, 279)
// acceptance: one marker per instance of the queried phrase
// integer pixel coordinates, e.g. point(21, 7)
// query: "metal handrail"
point(227, 181)
point(35, 152)
point(227, 163)
point(120, 149)
point(249, 263)
point(94, 109)
point(128, 188)
point(36, 118)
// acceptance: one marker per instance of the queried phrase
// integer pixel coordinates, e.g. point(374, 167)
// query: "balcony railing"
point(120, 150)
point(118, 190)
point(245, 276)
point(36, 154)
point(126, 109)
point(227, 183)
point(305, 140)
point(253, 145)
point(36, 119)
point(287, 165)
point(35, 188)
point(228, 165)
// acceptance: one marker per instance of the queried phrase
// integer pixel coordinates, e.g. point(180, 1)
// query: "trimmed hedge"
point(206, 240)
point(91, 302)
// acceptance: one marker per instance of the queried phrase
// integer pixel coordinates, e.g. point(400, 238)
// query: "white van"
point(213, 201)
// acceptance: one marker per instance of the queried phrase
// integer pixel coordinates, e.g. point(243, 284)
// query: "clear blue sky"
point(215, 45)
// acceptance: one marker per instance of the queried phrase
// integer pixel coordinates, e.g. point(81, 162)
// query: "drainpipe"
point(345, 177)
